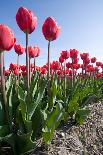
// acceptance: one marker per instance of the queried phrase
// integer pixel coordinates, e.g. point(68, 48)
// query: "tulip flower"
point(61, 60)
point(7, 72)
point(73, 53)
point(27, 23)
point(26, 20)
point(50, 31)
point(98, 64)
point(37, 51)
point(93, 60)
point(19, 50)
point(65, 55)
point(7, 41)
point(84, 56)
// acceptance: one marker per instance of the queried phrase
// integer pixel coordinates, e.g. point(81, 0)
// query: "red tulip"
point(98, 64)
point(86, 61)
point(13, 66)
point(61, 60)
point(73, 53)
point(50, 29)
point(7, 39)
point(102, 65)
point(55, 65)
point(24, 73)
point(37, 51)
point(32, 52)
point(96, 69)
point(98, 75)
point(84, 56)
point(93, 60)
point(76, 66)
point(91, 69)
point(68, 65)
point(19, 49)
point(16, 71)
point(65, 54)
point(43, 71)
point(75, 60)
point(23, 68)
point(26, 20)
point(7, 72)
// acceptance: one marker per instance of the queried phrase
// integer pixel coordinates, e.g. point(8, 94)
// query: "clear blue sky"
point(81, 24)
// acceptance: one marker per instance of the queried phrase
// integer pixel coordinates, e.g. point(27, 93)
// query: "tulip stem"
point(65, 78)
point(34, 65)
point(4, 104)
point(48, 60)
point(29, 71)
point(72, 73)
point(18, 67)
point(27, 62)
point(48, 76)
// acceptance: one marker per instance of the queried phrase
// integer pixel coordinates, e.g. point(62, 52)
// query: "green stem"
point(29, 71)
point(48, 76)
point(73, 77)
point(48, 60)
point(4, 104)
point(65, 78)
point(18, 67)
point(34, 65)
point(27, 62)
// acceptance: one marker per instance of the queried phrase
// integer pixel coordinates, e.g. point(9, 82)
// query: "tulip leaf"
point(81, 115)
point(20, 143)
point(53, 120)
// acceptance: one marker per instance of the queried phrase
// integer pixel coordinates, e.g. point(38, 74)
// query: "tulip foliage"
point(34, 100)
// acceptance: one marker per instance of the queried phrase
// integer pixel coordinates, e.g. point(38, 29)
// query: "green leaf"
point(32, 107)
point(20, 143)
point(52, 122)
point(4, 130)
point(22, 105)
point(81, 115)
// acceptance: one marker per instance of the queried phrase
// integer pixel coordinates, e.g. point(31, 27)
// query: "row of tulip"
point(35, 100)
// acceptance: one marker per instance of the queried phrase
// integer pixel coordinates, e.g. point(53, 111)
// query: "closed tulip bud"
point(84, 56)
point(23, 68)
point(13, 66)
point(98, 64)
point(26, 20)
point(32, 52)
point(43, 71)
point(7, 72)
point(19, 49)
point(73, 53)
point(37, 51)
point(93, 60)
point(55, 65)
point(7, 39)
point(61, 60)
point(50, 29)
point(65, 54)
point(68, 65)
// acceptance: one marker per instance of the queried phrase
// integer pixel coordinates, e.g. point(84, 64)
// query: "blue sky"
point(81, 23)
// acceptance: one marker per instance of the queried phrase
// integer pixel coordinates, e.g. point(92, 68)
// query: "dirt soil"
point(86, 139)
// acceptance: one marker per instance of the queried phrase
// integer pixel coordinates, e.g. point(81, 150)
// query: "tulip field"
point(36, 100)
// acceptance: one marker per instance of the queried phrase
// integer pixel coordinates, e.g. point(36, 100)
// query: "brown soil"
point(86, 139)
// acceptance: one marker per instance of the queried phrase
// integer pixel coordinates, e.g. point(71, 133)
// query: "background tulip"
point(37, 51)
point(19, 50)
